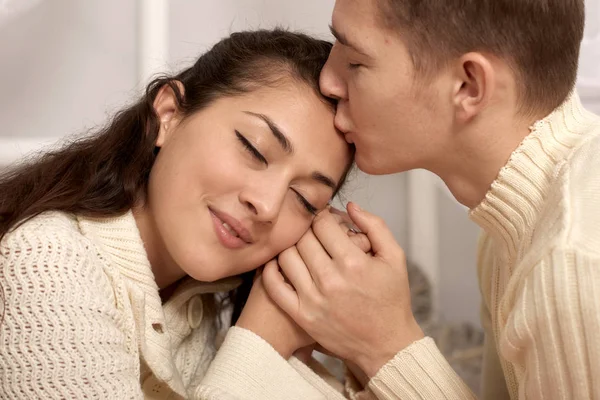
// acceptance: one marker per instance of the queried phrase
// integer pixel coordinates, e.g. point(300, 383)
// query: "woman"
point(113, 247)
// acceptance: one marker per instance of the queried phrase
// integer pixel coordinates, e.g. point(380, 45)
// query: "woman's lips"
point(229, 230)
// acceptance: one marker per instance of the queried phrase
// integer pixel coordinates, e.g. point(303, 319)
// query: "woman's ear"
point(166, 107)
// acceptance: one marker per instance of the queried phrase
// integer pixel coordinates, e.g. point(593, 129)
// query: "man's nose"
point(331, 81)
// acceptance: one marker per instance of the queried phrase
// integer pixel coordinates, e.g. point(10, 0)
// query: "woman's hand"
point(263, 317)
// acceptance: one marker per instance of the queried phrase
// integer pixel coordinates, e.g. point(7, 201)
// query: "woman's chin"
point(214, 273)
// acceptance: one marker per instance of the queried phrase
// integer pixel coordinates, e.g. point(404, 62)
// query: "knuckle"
point(309, 318)
point(331, 285)
point(350, 261)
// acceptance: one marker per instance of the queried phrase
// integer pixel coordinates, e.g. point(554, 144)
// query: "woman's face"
point(240, 181)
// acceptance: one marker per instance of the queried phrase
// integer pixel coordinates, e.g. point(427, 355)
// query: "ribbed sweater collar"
point(515, 199)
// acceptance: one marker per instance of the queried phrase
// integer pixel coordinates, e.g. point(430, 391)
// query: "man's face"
point(396, 122)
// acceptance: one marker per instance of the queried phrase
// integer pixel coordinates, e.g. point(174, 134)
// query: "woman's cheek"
point(286, 238)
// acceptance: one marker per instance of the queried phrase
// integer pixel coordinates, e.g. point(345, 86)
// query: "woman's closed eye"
point(259, 157)
point(253, 151)
point(305, 203)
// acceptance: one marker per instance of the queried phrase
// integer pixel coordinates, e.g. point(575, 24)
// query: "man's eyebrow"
point(343, 39)
point(324, 179)
point(286, 145)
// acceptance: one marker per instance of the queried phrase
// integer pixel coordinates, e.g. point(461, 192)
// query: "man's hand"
point(356, 305)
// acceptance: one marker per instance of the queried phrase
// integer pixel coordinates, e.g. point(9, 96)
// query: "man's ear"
point(166, 107)
point(475, 82)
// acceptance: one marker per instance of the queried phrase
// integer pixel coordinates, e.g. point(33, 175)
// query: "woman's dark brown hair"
point(106, 174)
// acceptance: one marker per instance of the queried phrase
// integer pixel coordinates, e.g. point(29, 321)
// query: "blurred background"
point(68, 64)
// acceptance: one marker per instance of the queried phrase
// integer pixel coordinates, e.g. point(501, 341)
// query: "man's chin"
point(372, 165)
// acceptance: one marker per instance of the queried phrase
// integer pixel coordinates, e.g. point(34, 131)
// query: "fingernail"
point(356, 207)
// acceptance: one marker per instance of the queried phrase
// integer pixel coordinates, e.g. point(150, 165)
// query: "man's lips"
point(348, 137)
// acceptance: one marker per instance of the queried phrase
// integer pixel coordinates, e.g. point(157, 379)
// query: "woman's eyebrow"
point(324, 179)
point(282, 139)
point(286, 145)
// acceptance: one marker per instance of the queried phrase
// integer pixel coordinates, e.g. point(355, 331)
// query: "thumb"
point(381, 238)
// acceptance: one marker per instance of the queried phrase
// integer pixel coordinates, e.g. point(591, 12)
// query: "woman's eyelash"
point(256, 154)
point(354, 65)
point(246, 143)
point(309, 207)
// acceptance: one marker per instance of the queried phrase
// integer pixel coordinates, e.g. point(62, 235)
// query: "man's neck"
point(475, 161)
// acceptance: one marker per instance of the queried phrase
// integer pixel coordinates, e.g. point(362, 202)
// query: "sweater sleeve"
point(60, 332)
point(551, 334)
point(550, 338)
point(419, 372)
point(247, 368)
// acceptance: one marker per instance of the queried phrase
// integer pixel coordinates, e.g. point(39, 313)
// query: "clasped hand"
point(348, 292)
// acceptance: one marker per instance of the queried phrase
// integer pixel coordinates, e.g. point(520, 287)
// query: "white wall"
point(64, 64)
point(589, 66)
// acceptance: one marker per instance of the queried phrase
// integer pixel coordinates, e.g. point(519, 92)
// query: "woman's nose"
point(264, 201)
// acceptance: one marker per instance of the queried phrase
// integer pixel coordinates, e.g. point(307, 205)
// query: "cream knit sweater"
point(81, 317)
point(539, 273)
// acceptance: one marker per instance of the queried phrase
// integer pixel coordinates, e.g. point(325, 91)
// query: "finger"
point(314, 256)
point(279, 291)
point(295, 270)
point(344, 220)
point(340, 215)
point(361, 241)
point(381, 238)
point(333, 237)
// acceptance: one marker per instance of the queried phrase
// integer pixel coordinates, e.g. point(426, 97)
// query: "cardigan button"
point(195, 312)
point(158, 328)
point(155, 389)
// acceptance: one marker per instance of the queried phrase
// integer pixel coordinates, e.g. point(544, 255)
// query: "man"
point(481, 94)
